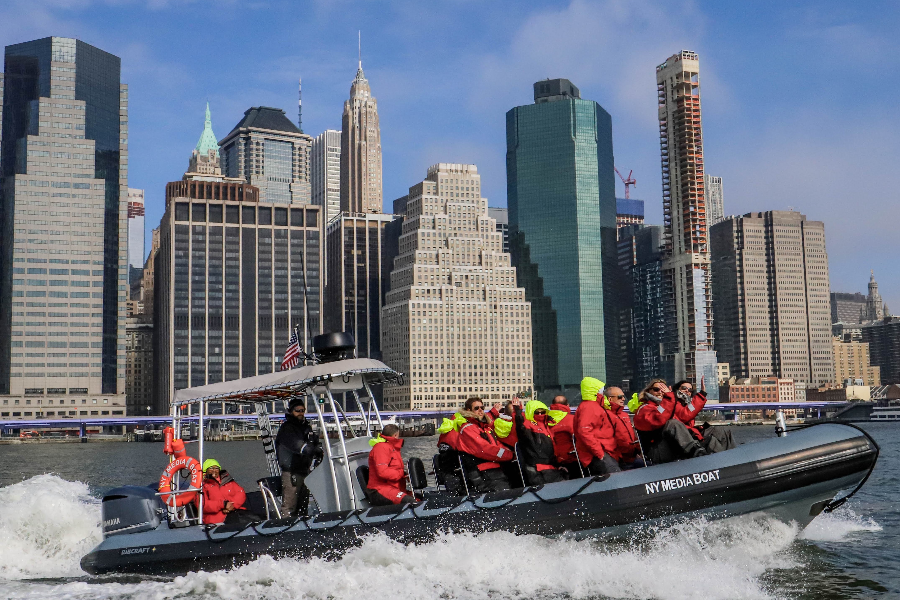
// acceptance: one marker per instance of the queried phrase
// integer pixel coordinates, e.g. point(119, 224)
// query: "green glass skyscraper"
point(562, 220)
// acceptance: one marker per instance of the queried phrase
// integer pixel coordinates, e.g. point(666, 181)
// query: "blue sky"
point(799, 101)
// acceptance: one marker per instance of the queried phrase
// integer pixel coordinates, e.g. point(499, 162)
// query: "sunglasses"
point(298, 410)
point(685, 388)
point(540, 412)
point(479, 407)
point(619, 396)
point(656, 389)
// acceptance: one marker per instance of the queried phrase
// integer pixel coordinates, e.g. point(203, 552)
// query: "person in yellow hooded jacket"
point(536, 444)
point(386, 474)
point(595, 437)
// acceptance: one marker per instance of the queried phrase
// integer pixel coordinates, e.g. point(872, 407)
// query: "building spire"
point(207, 139)
point(359, 47)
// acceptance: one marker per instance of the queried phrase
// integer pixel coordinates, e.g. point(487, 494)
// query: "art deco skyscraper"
point(688, 348)
point(361, 190)
point(773, 315)
point(454, 321)
point(63, 231)
point(325, 172)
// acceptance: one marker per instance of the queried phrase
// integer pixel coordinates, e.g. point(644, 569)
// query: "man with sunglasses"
point(595, 437)
point(481, 451)
point(298, 449)
point(627, 451)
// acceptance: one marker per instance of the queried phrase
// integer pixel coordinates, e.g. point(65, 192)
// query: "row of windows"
point(248, 215)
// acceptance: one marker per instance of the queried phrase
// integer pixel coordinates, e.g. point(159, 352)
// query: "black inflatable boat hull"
point(791, 478)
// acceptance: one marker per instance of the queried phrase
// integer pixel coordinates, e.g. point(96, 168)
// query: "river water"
point(49, 518)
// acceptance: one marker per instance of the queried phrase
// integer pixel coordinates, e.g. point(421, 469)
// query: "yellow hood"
point(590, 387)
point(531, 406)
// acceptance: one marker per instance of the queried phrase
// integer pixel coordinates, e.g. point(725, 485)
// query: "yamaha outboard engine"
point(131, 509)
point(331, 347)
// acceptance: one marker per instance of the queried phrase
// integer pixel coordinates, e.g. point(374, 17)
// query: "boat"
point(793, 477)
point(885, 413)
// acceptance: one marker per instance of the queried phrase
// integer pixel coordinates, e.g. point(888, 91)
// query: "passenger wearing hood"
point(223, 497)
point(504, 427)
point(481, 452)
point(536, 444)
point(594, 434)
point(387, 477)
point(664, 437)
point(562, 423)
point(448, 453)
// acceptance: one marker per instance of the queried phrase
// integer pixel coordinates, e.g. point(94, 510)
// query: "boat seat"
point(271, 490)
point(362, 476)
point(418, 479)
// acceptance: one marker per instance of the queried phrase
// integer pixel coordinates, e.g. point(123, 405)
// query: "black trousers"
point(536, 477)
point(241, 517)
point(675, 443)
point(717, 439)
point(573, 470)
point(603, 466)
point(376, 499)
point(490, 480)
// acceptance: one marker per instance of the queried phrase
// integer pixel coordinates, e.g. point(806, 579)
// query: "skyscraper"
point(135, 235)
point(773, 316)
point(715, 199)
point(361, 190)
point(63, 230)
point(629, 212)
point(688, 350)
point(847, 308)
point(233, 275)
point(357, 278)
point(562, 221)
point(454, 320)
point(501, 215)
point(851, 361)
point(269, 152)
point(325, 167)
point(874, 304)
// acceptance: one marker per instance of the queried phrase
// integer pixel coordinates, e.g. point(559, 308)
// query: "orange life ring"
point(165, 480)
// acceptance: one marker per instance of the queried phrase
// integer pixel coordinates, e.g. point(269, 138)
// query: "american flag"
point(292, 354)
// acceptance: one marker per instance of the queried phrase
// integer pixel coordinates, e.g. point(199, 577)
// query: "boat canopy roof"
point(340, 376)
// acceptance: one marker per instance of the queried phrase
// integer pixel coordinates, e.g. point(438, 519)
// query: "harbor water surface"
point(49, 518)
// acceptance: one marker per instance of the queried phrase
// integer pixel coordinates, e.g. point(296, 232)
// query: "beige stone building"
point(851, 361)
point(772, 308)
point(454, 321)
point(361, 189)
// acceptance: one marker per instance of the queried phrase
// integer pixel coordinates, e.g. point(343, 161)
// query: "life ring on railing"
point(165, 481)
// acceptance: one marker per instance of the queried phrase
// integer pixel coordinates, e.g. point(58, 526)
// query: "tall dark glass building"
point(63, 255)
point(562, 222)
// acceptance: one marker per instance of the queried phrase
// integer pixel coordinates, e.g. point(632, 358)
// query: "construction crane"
point(628, 181)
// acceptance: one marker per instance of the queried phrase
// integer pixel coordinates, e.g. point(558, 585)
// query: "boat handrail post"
point(780, 425)
point(328, 456)
point(362, 413)
point(340, 407)
point(340, 432)
point(200, 431)
point(372, 403)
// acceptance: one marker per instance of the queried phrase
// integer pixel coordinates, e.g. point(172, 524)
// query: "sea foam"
point(838, 525)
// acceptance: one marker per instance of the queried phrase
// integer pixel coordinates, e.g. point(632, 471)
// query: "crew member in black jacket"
point(298, 450)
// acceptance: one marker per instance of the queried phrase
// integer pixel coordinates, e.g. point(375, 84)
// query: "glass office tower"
point(63, 253)
point(562, 220)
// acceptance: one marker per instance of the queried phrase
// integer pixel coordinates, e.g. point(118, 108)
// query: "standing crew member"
point(536, 444)
point(562, 422)
point(298, 449)
point(594, 434)
point(480, 450)
point(387, 478)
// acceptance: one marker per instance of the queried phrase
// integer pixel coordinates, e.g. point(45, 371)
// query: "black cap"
point(294, 403)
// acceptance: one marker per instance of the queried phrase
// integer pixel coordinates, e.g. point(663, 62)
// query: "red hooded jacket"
point(477, 439)
point(687, 412)
point(512, 438)
point(386, 474)
point(626, 438)
point(561, 433)
point(652, 416)
point(594, 433)
point(216, 492)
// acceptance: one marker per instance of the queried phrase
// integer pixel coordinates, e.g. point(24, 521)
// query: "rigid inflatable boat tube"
point(834, 504)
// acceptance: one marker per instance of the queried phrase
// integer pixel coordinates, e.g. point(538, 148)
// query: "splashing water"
point(46, 525)
point(837, 526)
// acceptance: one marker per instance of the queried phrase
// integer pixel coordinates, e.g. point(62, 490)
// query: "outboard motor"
point(331, 347)
point(130, 509)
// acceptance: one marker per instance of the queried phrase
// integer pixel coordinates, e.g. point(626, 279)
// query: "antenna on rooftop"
point(359, 42)
point(300, 104)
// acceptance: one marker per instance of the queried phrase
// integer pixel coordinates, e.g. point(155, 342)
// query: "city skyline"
point(808, 135)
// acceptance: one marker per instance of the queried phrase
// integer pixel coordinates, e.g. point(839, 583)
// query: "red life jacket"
point(687, 412)
point(477, 439)
point(626, 438)
point(386, 474)
point(594, 433)
point(561, 433)
point(216, 492)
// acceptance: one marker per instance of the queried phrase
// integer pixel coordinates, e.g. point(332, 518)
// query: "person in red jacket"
point(594, 433)
point(387, 477)
point(627, 451)
point(687, 406)
point(481, 452)
point(561, 431)
point(223, 498)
